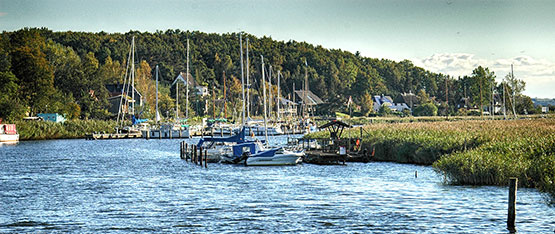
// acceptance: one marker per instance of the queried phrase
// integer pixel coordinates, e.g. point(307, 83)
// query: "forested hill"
point(60, 69)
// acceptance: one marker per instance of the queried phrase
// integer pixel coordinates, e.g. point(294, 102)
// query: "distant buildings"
point(53, 117)
point(382, 100)
point(308, 99)
point(115, 98)
point(200, 90)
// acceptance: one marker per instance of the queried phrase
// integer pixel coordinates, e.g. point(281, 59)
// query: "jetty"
point(335, 149)
point(106, 136)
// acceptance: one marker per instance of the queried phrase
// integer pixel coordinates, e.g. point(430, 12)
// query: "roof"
point(382, 99)
point(409, 97)
point(192, 81)
point(285, 102)
point(116, 89)
point(312, 99)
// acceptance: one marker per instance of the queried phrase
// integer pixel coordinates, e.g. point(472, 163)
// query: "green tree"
point(426, 109)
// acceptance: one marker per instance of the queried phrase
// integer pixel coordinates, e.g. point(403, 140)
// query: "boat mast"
point(120, 109)
point(270, 92)
point(305, 89)
point(133, 76)
point(187, 84)
point(514, 92)
point(278, 94)
point(264, 93)
point(248, 82)
point(157, 113)
point(242, 76)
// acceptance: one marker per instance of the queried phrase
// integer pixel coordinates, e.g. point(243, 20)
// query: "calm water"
point(143, 186)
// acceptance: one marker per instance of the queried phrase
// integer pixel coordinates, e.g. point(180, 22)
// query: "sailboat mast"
point(248, 83)
point(264, 93)
point(187, 84)
point(225, 103)
point(242, 76)
point(278, 94)
point(157, 117)
point(270, 92)
point(133, 77)
point(176, 100)
point(305, 88)
point(514, 92)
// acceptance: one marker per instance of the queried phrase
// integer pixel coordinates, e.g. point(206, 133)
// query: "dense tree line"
point(66, 72)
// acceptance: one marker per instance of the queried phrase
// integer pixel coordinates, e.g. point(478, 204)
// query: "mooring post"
point(513, 182)
point(205, 158)
point(181, 150)
point(193, 160)
point(160, 133)
point(200, 156)
point(415, 174)
point(186, 151)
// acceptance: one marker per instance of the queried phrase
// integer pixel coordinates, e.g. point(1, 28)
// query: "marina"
point(139, 185)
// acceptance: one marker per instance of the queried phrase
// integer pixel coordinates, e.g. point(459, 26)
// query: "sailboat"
point(128, 108)
point(273, 156)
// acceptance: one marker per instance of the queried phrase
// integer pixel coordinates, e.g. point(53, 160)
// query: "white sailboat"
point(274, 156)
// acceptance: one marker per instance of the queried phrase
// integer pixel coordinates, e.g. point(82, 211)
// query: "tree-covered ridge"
point(66, 72)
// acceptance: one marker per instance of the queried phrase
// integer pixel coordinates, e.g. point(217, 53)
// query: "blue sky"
point(448, 36)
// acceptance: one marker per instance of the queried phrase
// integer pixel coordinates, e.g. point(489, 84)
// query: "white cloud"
point(539, 74)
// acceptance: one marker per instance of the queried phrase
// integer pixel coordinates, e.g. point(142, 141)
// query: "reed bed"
point(42, 130)
point(470, 152)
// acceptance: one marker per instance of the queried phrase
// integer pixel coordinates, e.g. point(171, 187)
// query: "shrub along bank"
point(42, 130)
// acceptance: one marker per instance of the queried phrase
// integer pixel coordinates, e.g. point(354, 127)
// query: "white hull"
point(9, 138)
point(166, 134)
point(279, 159)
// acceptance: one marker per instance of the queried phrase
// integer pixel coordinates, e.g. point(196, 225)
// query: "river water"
point(143, 186)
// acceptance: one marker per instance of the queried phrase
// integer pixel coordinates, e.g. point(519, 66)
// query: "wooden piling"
point(193, 160)
point(513, 182)
point(205, 158)
point(181, 150)
point(160, 133)
point(186, 150)
point(200, 157)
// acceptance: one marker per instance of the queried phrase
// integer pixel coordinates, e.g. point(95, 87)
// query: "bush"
point(426, 109)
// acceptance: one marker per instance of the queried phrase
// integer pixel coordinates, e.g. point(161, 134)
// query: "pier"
point(106, 136)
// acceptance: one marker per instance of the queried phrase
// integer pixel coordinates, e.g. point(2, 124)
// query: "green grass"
point(42, 130)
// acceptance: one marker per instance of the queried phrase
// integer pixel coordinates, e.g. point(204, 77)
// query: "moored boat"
point(275, 157)
point(8, 133)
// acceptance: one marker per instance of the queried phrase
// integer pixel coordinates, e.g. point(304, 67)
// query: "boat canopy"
point(266, 153)
point(239, 149)
point(238, 138)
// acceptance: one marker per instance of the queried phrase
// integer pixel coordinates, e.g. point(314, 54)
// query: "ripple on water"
point(143, 186)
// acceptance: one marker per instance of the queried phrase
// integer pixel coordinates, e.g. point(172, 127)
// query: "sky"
point(448, 36)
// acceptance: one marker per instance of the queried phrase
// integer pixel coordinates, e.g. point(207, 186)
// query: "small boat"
point(275, 157)
point(8, 133)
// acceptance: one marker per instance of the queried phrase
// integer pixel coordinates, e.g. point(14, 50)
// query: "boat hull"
point(290, 159)
point(9, 138)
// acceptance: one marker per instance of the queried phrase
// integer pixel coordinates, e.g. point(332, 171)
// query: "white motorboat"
point(275, 157)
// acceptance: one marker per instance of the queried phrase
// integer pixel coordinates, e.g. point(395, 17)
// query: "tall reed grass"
point(470, 152)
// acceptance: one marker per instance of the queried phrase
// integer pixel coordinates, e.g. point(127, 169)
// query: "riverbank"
point(470, 152)
point(70, 129)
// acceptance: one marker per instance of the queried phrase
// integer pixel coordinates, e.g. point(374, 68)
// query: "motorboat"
point(275, 157)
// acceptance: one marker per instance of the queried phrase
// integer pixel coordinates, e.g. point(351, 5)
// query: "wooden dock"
point(106, 136)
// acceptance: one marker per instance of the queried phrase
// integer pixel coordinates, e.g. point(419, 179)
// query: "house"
point(199, 89)
point(115, 97)
point(287, 107)
point(309, 99)
point(53, 117)
point(388, 101)
point(410, 99)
